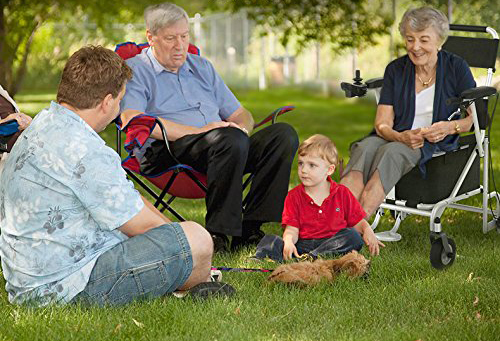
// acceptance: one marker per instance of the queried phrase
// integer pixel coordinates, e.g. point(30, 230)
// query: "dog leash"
point(221, 268)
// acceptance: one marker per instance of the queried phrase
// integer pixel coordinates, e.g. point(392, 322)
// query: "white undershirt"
point(424, 103)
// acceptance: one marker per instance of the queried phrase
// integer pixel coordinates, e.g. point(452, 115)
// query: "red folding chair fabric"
point(130, 49)
point(137, 131)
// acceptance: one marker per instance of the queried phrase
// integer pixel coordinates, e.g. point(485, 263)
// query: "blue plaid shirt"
point(63, 194)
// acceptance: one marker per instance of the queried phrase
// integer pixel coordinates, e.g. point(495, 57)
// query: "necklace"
point(425, 84)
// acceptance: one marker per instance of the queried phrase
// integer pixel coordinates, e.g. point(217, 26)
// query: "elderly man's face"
point(422, 46)
point(170, 44)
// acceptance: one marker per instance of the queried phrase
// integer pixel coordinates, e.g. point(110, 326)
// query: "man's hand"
point(289, 249)
point(372, 242)
point(221, 124)
point(438, 131)
point(412, 138)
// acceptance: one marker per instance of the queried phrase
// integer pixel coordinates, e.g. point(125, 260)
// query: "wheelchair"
point(452, 176)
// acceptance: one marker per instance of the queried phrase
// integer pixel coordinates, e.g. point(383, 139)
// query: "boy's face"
point(313, 170)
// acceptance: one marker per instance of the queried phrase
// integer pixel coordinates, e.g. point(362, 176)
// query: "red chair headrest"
point(130, 49)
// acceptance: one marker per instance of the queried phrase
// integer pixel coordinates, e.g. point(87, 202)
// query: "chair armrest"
point(478, 92)
point(9, 127)
point(165, 139)
point(272, 116)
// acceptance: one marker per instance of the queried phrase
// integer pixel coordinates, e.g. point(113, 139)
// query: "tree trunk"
point(4, 68)
point(21, 71)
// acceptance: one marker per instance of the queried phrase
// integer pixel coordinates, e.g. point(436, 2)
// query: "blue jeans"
point(142, 267)
point(344, 241)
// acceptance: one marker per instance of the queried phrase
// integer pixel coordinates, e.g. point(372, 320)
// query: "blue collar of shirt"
point(71, 117)
point(158, 68)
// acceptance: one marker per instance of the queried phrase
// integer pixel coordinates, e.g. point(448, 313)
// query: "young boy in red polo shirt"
point(320, 216)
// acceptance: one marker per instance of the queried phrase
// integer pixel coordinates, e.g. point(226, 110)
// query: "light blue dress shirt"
point(63, 194)
point(194, 96)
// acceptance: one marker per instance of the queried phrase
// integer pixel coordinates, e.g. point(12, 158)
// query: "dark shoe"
point(221, 242)
point(253, 239)
point(211, 289)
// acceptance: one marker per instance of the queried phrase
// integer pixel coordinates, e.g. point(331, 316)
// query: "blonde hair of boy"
point(321, 146)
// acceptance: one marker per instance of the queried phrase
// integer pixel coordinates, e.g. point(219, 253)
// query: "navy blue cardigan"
point(452, 77)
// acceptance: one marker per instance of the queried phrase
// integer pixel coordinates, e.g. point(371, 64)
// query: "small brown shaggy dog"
point(311, 273)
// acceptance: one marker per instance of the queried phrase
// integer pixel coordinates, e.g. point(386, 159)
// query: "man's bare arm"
point(147, 218)
point(243, 118)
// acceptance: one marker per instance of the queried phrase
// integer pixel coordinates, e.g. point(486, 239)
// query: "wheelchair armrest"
point(479, 92)
point(375, 83)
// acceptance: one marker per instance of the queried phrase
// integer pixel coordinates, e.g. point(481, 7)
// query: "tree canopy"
point(21, 20)
point(342, 23)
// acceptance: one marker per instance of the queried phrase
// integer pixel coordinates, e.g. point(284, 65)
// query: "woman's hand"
point(412, 138)
point(22, 119)
point(438, 131)
point(289, 250)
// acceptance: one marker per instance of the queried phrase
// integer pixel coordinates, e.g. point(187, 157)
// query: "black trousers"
point(225, 155)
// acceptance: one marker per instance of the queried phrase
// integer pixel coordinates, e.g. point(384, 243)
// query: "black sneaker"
point(211, 289)
point(221, 242)
point(253, 239)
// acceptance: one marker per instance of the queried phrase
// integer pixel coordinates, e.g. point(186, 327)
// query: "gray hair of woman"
point(163, 15)
point(419, 19)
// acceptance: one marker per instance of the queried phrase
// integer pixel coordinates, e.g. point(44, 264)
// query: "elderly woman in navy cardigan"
point(412, 115)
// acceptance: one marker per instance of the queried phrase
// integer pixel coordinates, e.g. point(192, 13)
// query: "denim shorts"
point(142, 267)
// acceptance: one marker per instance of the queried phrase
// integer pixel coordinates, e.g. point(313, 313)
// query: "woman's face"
point(422, 46)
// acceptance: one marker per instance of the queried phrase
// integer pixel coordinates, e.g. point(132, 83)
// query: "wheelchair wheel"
point(440, 259)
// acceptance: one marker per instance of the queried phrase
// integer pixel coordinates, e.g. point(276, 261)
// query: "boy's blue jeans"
point(344, 241)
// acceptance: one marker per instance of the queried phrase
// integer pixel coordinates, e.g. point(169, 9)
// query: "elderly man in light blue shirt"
point(208, 129)
point(73, 228)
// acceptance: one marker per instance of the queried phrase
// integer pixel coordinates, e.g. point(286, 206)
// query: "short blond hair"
point(321, 146)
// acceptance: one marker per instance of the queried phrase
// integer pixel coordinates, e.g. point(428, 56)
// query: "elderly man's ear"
point(149, 38)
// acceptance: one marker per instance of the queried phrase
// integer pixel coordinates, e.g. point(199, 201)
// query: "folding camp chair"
point(453, 176)
point(179, 180)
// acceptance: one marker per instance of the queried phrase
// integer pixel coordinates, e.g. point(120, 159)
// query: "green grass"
point(404, 298)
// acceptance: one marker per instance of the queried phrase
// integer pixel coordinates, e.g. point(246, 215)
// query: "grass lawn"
point(404, 298)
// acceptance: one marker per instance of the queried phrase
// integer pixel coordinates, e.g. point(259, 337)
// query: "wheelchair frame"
point(443, 248)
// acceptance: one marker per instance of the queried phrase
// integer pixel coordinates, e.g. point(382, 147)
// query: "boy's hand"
point(289, 249)
point(372, 242)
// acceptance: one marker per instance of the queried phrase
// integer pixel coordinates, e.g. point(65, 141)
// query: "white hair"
point(418, 19)
point(163, 15)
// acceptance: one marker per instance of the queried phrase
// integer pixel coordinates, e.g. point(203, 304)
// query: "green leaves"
point(343, 23)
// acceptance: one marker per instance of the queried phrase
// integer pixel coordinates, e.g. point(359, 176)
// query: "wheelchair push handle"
point(468, 28)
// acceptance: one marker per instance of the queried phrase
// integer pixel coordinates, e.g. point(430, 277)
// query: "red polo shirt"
point(339, 210)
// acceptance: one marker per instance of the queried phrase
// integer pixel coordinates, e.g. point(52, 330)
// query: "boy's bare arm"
point(363, 227)
point(290, 237)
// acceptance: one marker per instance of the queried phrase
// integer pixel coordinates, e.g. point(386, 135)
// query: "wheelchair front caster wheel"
point(440, 259)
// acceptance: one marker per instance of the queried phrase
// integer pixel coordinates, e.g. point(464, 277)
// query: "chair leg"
point(245, 185)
